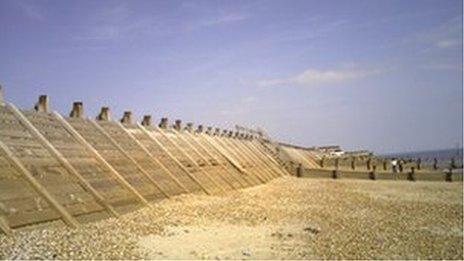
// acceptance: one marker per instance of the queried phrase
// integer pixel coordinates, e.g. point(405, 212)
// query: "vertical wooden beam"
point(58, 156)
point(42, 191)
point(144, 172)
point(174, 159)
point(153, 158)
point(97, 155)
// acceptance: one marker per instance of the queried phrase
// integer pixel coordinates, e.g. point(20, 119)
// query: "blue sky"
point(380, 75)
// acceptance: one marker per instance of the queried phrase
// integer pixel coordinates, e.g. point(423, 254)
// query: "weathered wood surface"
point(166, 180)
point(115, 156)
point(202, 178)
point(161, 154)
point(230, 175)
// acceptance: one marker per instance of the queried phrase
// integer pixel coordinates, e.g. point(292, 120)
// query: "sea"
point(443, 154)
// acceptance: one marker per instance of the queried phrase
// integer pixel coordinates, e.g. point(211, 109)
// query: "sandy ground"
point(288, 218)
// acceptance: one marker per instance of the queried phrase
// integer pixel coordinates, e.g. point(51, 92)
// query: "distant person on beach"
point(394, 163)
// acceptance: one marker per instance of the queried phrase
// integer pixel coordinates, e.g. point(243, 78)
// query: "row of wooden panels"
point(53, 167)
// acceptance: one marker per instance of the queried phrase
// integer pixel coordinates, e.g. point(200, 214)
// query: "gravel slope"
point(288, 218)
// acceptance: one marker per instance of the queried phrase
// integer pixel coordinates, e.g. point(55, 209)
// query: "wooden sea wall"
point(74, 169)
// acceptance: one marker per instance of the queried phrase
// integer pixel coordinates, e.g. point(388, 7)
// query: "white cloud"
point(315, 77)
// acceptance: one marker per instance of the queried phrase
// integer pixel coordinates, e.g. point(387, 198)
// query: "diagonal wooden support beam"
point(173, 158)
point(194, 139)
point(42, 191)
point(257, 146)
point(153, 158)
point(4, 227)
point(230, 147)
point(191, 145)
point(231, 157)
point(182, 150)
point(97, 155)
point(273, 172)
point(58, 156)
point(144, 172)
point(252, 155)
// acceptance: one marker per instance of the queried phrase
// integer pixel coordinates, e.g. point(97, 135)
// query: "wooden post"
point(67, 218)
point(449, 175)
point(146, 120)
point(42, 104)
point(104, 114)
point(435, 163)
point(173, 158)
point(144, 172)
point(153, 158)
point(164, 123)
point(411, 175)
point(127, 117)
point(97, 155)
point(372, 174)
point(77, 110)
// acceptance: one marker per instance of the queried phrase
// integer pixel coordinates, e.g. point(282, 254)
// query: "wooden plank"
point(224, 143)
point(182, 150)
point(121, 179)
point(62, 160)
point(170, 141)
point(173, 158)
point(251, 155)
point(244, 177)
point(67, 218)
point(207, 162)
point(142, 170)
point(229, 157)
point(197, 143)
point(254, 153)
point(248, 157)
point(282, 170)
point(154, 159)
